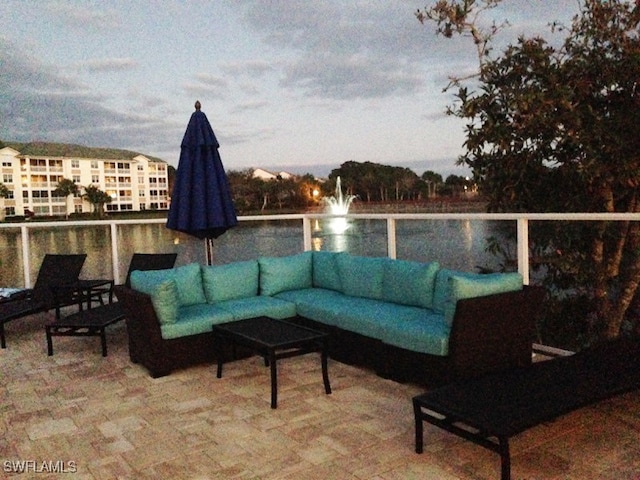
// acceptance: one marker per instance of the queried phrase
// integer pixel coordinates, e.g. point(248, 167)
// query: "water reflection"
point(456, 244)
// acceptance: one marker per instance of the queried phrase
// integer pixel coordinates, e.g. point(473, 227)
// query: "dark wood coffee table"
point(274, 340)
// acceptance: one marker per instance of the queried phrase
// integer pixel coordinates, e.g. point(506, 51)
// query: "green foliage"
point(4, 190)
point(554, 129)
point(97, 198)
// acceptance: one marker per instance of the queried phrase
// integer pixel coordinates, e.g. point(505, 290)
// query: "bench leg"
point(3, 343)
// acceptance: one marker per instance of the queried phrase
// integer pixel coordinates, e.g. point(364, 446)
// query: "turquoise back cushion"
point(361, 276)
point(409, 283)
point(279, 274)
point(441, 288)
point(231, 281)
point(165, 302)
point(461, 287)
point(325, 271)
point(187, 277)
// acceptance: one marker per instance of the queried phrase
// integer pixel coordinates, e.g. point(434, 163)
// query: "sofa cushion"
point(259, 306)
point(442, 287)
point(194, 320)
point(461, 287)
point(230, 281)
point(361, 276)
point(317, 304)
point(409, 283)
point(278, 274)
point(187, 277)
point(165, 302)
point(424, 332)
point(325, 271)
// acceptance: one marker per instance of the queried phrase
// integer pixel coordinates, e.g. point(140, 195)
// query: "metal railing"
point(522, 220)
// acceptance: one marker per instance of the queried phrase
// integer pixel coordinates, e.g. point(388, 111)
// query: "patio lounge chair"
point(94, 321)
point(54, 287)
point(491, 409)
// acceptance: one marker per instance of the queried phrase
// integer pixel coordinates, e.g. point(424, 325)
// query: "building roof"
point(266, 175)
point(48, 149)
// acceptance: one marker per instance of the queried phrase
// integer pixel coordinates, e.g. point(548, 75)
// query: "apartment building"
point(137, 183)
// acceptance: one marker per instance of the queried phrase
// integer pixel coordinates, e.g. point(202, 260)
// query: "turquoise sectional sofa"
point(406, 320)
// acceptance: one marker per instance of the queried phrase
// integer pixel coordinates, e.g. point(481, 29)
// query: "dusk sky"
point(292, 85)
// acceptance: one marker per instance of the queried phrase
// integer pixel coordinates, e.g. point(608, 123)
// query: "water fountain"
point(338, 205)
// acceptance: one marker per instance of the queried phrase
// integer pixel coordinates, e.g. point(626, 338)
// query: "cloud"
point(109, 64)
point(81, 16)
point(39, 104)
point(343, 51)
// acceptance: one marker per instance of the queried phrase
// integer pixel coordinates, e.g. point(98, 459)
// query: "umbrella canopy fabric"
point(201, 203)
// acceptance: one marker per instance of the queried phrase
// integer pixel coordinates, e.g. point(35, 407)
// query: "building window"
point(7, 178)
point(141, 168)
point(95, 179)
point(94, 164)
point(76, 178)
point(7, 164)
point(9, 195)
point(75, 163)
point(10, 211)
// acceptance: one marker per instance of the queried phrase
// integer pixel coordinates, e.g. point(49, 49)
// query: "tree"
point(554, 129)
point(65, 188)
point(97, 198)
point(4, 190)
point(433, 181)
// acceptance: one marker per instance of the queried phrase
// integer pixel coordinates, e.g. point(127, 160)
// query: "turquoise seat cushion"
point(231, 281)
point(278, 274)
point(259, 306)
point(422, 331)
point(187, 277)
point(195, 319)
point(361, 276)
point(464, 286)
point(314, 303)
point(325, 271)
point(409, 283)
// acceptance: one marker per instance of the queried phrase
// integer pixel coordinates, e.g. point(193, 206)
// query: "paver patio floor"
point(104, 418)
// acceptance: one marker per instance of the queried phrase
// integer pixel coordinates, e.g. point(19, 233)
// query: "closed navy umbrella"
point(201, 203)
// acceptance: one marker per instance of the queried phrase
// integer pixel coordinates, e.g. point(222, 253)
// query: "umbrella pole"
point(209, 252)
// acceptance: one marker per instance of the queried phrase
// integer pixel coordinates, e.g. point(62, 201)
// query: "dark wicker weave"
point(489, 333)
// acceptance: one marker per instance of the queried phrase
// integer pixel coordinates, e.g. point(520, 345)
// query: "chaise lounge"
point(491, 409)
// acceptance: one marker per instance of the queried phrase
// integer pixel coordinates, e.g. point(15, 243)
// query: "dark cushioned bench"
point(490, 410)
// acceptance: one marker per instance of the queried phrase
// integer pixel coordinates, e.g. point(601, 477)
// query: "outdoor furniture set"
point(58, 285)
point(405, 320)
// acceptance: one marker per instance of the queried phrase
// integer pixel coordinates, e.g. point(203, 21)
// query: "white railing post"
point(26, 261)
point(115, 260)
point(306, 233)
point(391, 238)
point(523, 248)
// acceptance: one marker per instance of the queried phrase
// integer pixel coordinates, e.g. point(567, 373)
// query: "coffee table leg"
point(274, 379)
point(103, 340)
point(325, 370)
point(49, 341)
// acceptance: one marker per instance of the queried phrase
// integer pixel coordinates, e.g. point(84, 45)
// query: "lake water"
point(456, 244)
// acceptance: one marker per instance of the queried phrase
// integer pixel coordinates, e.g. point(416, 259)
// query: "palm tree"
point(65, 188)
point(97, 198)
